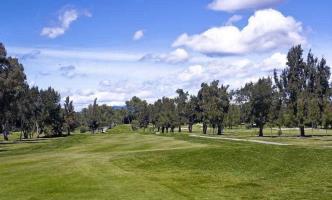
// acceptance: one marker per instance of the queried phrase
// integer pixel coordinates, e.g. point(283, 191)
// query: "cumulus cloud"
point(266, 30)
point(233, 71)
point(177, 56)
point(235, 5)
point(138, 35)
point(65, 19)
point(192, 72)
point(233, 19)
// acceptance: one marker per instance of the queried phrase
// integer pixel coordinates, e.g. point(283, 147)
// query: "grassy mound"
point(123, 128)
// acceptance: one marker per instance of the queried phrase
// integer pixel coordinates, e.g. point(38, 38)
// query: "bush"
point(83, 129)
point(134, 125)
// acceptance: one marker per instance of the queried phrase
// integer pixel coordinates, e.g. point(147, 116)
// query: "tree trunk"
point(302, 134)
point(172, 129)
point(220, 130)
point(5, 136)
point(180, 128)
point(190, 128)
point(68, 131)
point(4, 132)
point(163, 129)
point(204, 128)
point(260, 131)
point(166, 129)
point(37, 128)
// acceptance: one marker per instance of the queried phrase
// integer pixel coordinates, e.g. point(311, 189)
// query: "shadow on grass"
point(30, 141)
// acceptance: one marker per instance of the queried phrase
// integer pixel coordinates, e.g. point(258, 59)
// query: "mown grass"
point(128, 165)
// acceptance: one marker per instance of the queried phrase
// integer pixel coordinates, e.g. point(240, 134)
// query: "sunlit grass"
point(127, 165)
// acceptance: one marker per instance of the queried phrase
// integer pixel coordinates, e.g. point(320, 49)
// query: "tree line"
point(298, 96)
point(28, 109)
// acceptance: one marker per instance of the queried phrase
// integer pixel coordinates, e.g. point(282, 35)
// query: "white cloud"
point(138, 35)
point(65, 19)
point(192, 72)
point(78, 54)
point(177, 56)
point(233, 19)
point(266, 30)
point(276, 61)
point(235, 72)
point(231, 70)
point(234, 5)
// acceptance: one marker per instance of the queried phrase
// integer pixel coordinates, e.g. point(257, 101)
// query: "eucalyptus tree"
point(133, 107)
point(106, 115)
point(138, 110)
point(12, 84)
point(168, 115)
point(204, 105)
point(24, 110)
point(70, 122)
point(93, 116)
point(233, 115)
point(37, 108)
point(260, 101)
point(144, 115)
point(214, 103)
point(181, 101)
point(301, 80)
point(52, 115)
point(156, 114)
point(192, 112)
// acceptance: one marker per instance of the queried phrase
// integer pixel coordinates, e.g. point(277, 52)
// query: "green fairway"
point(127, 165)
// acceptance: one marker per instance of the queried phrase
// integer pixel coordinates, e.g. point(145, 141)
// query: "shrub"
point(83, 129)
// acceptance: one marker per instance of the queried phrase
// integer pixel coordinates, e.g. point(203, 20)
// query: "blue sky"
point(113, 49)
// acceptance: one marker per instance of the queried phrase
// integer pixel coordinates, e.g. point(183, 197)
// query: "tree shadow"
point(25, 141)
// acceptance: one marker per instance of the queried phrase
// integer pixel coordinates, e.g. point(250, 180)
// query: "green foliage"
point(233, 116)
point(260, 96)
point(304, 87)
point(213, 103)
point(83, 129)
point(52, 115)
point(138, 110)
point(181, 102)
point(70, 122)
point(135, 125)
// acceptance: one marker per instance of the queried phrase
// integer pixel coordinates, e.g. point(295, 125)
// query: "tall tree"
point(214, 102)
point(204, 105)
point(69, 116)
point(260, 100)
point(181, 101)
point(12, 84)
point(93, 121)
point(192, 112)
point(233, 115)
point(52, 115)
point(138, 111)
point(301, 80)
